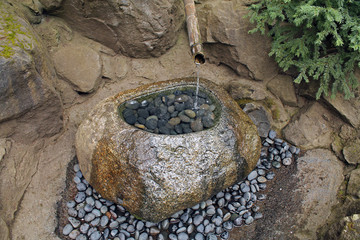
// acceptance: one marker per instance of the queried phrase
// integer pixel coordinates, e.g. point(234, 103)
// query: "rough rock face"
point(80, 65)
point(348, 109)
point(136, 28)
point(282, 87)
point(29, 109)
point(25, 73)
point(312, 128)
point(226, 40)
point(300, 199)
point(158, 175)
point(353, 187)
point(352, 152)
point(319, 189)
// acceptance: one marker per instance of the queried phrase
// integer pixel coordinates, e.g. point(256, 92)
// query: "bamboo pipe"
point(193, 32)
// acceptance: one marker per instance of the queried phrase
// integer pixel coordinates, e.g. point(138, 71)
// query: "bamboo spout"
point(193, 32)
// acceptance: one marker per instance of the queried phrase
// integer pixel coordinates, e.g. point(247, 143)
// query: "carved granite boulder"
point(155, 175)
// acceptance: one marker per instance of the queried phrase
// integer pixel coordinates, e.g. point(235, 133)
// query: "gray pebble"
point(190, 229)
point(140, 225)
point(211, 236)
point(199, 236)
point(244, 188)
point(79, 174)
point(217, 220)
point(198, 219)
point(276, 164)
point(104, 221)
point(132, 104)
point(287, 161)
point(130, 228)
point(88, 208)
point(143, 236)
point(180, 230)
point(270, 175)
point(67, 229)
point(98, 204)
point(81, 237)
point(81, 213)
point(219, 230)
point(209, 228)
point(220, 195)
point(172, 236)
point(224, 235)
point(74, 222)
point(121, 219)
point(200, 228)
point(89, 217)
point(89, 191)
point(114, 224)
point(253, 188)
point(183, 236)
point(227, 217)
point(228, 225)
point(76, 167)
point(96, 212)
point(247, 196)
point(262, 186)
point(84, 228)
point(272, 134)
point(103, 209)
point(77, 180)
point(70, 204)
point(95, 222)
point(261, 172)
point(95, 235)
point(165, 224)
point(72, 212)
point(249, 220)
point(252, 175)
point(210, 211)
point(81, 186)
point(91, 230)
point(74, 233)
point(90, 201)
point(258, 215)
point(238, 221)
point(80, 197)
point(261, 179)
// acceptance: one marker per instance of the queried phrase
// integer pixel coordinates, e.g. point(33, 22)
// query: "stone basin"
point(152, 175)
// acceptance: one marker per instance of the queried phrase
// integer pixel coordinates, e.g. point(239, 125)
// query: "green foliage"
point(321, 38)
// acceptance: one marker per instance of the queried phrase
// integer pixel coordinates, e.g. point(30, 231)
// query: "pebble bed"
point(92, 217)
point(174, 113)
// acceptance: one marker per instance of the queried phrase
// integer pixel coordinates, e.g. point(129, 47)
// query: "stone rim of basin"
point(226, 152)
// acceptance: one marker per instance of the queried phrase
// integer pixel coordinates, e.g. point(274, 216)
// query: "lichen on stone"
point(11, 34)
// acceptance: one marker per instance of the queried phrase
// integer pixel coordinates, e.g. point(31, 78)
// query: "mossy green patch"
point(11, 34)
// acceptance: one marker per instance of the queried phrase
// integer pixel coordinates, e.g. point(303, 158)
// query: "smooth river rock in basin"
point(157, 175)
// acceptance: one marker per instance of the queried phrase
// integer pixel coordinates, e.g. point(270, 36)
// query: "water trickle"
point(197, 85)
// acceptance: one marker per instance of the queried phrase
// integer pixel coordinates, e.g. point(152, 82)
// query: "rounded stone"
point(67, 229)
point(252, 175)
point(95, 235)
point(190, 113)
point(142, 158)
point(80, 197)
point(261, 179)
point(287, 161)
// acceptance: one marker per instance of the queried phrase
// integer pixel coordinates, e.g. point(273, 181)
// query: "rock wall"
point(140, 29)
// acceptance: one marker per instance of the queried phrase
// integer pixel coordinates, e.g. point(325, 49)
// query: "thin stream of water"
point(197, 85)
